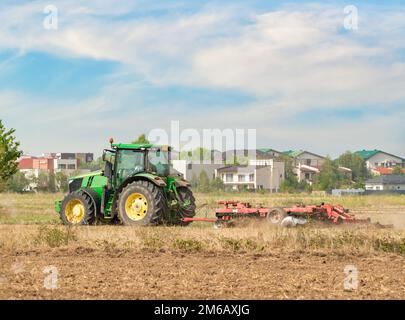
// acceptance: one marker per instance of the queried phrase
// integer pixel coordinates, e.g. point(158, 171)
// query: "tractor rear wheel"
point(276, 215)
point(77, 209)
point(141, 203)
point(187, 206)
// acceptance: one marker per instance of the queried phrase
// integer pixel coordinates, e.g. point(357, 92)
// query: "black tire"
point(89, 214)
point(156, 204)
point(185, 194)
point(276, 215)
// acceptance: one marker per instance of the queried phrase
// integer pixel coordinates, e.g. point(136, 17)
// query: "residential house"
point(67, 159)
point(249, 154)
point(306, 164)
point(267, 176)
point(386, 183)
point(208, 156)
point(31, 166)
point(190, 168)
point(66, 162)
point(380, 159)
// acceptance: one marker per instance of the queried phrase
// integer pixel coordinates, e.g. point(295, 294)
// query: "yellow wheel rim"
point(74, 211)
point(136, 206)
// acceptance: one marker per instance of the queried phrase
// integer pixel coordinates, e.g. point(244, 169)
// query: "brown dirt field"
point(154, 270)
point(87, 274)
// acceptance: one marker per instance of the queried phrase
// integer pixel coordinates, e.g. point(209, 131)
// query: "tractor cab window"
point(129, 162)
point(159, 162)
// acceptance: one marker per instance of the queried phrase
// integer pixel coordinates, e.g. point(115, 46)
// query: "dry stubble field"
point(250, 261)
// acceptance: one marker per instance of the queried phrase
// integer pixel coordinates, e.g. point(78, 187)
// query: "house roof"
point(241, 169)
point(265, 150)
point(296, 153)
point(367, 154)
point(387, 179)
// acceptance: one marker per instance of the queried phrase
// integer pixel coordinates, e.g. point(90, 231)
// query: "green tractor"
point(135, 188)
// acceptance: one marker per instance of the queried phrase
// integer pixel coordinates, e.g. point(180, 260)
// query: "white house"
point(190, 168)
point(386, 183)
point(380, 159)
point(266, 175)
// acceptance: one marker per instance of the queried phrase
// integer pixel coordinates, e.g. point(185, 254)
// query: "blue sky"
point(290, 70)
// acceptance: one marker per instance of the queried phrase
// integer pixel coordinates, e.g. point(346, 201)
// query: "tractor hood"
point(90, 174)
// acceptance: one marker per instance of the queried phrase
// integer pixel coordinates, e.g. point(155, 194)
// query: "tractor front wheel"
point(77, 209)
point(141, 203)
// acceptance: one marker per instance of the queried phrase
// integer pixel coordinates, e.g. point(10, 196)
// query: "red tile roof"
point(385, 171)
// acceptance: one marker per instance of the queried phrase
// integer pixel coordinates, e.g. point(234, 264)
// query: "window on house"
point(308, 162)
point(252, 177)
point(189, 166)
point(229, 177)
point(307, 176)
point(71, 166)
point(61, 166)
point(241, 178)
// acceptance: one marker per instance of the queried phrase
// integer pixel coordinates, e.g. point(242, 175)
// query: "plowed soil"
point(92, 274)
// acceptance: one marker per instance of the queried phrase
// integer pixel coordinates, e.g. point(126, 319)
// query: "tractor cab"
point(124, 161)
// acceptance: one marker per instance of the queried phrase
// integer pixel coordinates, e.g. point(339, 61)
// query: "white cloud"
point(294, 59)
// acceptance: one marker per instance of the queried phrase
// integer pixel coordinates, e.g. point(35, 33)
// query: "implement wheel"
point(276, 215)
point(141, 203)
point(77, 209)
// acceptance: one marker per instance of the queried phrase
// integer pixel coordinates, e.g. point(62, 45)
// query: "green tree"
point(356, 164)
point(18, 183)
point(203, 182)
point(397, 170)
point(141, 140)
point(42, 181)
point(290, 183)
point(194, 181)
point(198, 154)
point(61, 181)
point(9, 154)
point(51, 182)
point(329, 177)
point(237, 161)
point(217, 184)
point(98, 164)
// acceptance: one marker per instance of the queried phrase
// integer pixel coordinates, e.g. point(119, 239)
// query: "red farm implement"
point(285, 216)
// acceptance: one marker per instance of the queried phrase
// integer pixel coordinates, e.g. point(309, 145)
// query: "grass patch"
point(153, 243)
point(241, 244)
point(188, 245)
point(54, 237)
point(390, 244)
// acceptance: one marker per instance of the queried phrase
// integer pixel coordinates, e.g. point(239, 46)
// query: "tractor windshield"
point(129, 162)
point(159, 162)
